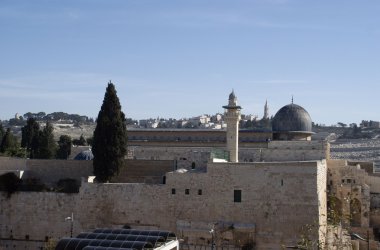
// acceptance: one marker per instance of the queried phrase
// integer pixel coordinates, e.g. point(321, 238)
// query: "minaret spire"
point(266, 110)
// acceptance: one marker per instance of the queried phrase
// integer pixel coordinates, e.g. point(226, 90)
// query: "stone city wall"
point(374, 183)
point(51, 171)
point(273, 151)
point(48, 171)
point(270, 203)
point(8, 163)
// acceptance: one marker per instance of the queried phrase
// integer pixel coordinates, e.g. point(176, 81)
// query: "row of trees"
point(37, 143)
point(109, 144)
point(40, 143)
point(8, 142)
point(52, 117)
point(256, 124)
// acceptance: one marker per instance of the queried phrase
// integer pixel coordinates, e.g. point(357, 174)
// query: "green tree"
point(64, 147)
point(80, 142)
point(8, 142)
point(2, 132)
point(90, 141)
point(341, 124)
point(30, 136)
point(110, 137)
point(10, 183)
point(47, 146)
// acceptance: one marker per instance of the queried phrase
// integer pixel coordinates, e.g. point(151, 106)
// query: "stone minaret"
point(266, 110)
point(232, 118)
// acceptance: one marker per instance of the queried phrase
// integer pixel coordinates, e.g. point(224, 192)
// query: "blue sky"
point(182, 58)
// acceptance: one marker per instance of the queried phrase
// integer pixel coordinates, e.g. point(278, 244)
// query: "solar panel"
point(111, 239)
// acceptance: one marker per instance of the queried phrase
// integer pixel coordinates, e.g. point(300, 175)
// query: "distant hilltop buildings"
point(205, 121)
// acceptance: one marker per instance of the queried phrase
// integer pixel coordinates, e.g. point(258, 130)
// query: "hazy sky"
point(182, 58)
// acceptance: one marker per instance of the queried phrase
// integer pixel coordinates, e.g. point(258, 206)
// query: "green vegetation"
point(110, 137)
point(59, 116)
point(30, 136)
point(64, 147)
point(355, 132)
point(80, 142)
point(47, 144)
point(263, 124)
point(8, 142)
point(9, 145)
point(68, 186)
point(2, 131)
point(9, 182)
point(40, 144)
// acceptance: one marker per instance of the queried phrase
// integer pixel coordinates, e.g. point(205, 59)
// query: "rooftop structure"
point(292, 122)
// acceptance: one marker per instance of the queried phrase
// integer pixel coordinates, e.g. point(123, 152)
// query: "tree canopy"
point(110, 137)
point(30, 134)
point(39, 143)
point(2, 132)
point(47, 144)
point(8, 142)
point(64, 147)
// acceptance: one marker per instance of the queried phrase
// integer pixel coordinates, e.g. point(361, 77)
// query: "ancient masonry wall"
point(51, 171)
point(273, 151)
point(48, 171)
point(188, 204)
point(351, 183)
point(7, 163)
point(322, 198)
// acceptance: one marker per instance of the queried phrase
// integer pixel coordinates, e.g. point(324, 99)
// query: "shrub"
point(32, 184)
point(9, 183)
point(68, 186)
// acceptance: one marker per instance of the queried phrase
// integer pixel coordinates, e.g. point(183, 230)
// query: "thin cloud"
point(210, 18)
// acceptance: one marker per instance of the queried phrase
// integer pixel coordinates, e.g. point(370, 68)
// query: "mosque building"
point(233, 189)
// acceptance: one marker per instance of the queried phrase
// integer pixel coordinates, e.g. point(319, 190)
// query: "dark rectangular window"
point(173, 190)
point(187, 191)
point(237, 195)
point(199, 191)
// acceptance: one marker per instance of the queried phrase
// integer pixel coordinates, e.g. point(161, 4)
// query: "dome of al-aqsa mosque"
point(292, 122)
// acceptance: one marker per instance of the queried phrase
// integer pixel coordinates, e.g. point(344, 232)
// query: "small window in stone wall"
point(187, 191)
point(173, 190)
point(282, 182)
point(237, 195)
point(199, 191)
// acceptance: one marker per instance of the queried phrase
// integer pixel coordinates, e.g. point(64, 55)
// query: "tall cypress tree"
point(8, 141)
point(64, 147)
point(110, 137)
point(30, 137)
point(47, 144)
point(2, 132)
